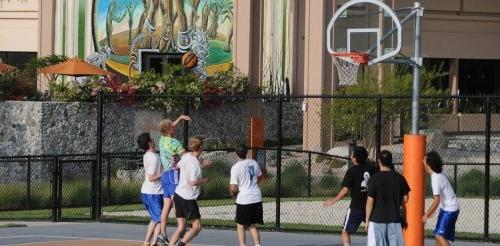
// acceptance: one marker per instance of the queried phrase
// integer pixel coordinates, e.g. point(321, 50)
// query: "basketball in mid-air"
point(189, 60)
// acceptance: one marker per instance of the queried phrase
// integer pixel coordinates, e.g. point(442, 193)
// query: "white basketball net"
point(347, 69)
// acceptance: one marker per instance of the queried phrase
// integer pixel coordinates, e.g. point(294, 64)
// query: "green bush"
point(294, 180)
point(329, 182)
point(495, 186)
point(471, 183)
point(41, 194)
point(218, 187)
point(13, 197)
point(218, 168)
point(76, 193)
point(268, 186)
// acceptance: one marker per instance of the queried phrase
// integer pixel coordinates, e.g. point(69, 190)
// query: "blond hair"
point(195, 143)
point(165, 126)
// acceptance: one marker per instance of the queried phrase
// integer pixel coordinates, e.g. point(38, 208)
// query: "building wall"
point(19, 28)
point(468, 29)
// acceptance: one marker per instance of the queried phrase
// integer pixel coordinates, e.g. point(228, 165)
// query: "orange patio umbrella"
point(75, 67)
point(4, 67)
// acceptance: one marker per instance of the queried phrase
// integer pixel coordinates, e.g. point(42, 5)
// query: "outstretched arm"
point(182, 117)
point(342, 193)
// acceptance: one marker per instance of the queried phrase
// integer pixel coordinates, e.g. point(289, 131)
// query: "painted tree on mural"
point(227, 14)
point(217, 12)
point(181, 14)
point(116, 12)
point(168, 20)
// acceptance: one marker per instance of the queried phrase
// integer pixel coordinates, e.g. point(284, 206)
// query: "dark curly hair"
point(386, 159)
point(360, 153)
point(433, 159)
point(241, 151)
point(143, 141)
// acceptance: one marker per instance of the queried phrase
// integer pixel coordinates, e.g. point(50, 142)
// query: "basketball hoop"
point(348, 66)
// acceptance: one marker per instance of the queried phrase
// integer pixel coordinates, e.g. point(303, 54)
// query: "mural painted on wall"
point(205, 27)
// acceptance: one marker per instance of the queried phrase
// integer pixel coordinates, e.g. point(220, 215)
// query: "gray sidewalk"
point(45, 231)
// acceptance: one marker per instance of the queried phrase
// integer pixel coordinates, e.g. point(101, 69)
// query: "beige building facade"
point(281, 44)
point(463, 35)
point(26, 26)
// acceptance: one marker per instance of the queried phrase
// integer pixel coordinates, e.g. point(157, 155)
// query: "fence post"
point(55, 189)
point(487, 170)
point(98, 173)
point(455, 171)
point(59, 188)
point(28, 183)
point(378, 127)
point(108, 181)
point(309, 179)
point(278, 164)
point(185, 133)
point(93, 183)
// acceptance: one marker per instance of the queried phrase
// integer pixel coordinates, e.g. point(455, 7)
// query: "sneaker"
point(181, 243)
point(163, 240)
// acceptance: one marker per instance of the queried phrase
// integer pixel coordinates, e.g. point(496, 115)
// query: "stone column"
point(46, 35)
point(317, 74)
point(89, 41)
point(453, 82)
point(71, 17)
point(247, 46)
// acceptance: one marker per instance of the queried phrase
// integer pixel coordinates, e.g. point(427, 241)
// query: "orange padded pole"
point(256, 134)
point(413, 170)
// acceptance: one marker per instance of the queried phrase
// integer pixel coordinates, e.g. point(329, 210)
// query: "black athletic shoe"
point(162, 240)
point(181, 243)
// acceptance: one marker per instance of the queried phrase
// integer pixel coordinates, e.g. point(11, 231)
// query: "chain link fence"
point(306, 154)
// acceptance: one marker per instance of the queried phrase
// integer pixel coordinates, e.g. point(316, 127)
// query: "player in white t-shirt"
point(151, 190)
point(444, 197)
point(187, 191)
point(244, 182)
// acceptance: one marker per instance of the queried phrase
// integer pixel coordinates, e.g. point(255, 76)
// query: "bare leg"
point(346, 238)
point(195, 229)
point(240, 230)
point(167, 206)
point(181, 226)
point(441, 241)
point(255, 234)
point(150, 231)
point(155, 234)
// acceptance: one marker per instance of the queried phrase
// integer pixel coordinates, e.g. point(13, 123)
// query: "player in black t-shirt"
point(386, 192)
point(356, 182)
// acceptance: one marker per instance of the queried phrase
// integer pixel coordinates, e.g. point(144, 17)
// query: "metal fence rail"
point(306, 153)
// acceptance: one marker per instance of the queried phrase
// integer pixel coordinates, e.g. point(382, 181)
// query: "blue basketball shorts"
point(153, 204)
point(445, 225)
point(169, 181)
point(353, 219)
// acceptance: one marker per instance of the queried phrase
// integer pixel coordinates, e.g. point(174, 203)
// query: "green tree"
point(355, 118)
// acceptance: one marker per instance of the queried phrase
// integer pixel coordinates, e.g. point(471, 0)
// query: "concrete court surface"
point(91, 233)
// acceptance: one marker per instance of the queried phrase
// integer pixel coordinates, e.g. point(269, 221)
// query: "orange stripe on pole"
point(413, 170)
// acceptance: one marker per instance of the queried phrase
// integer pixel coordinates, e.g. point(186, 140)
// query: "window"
point(17, 59)
point(479, 77)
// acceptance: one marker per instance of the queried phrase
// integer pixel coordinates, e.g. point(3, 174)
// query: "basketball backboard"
point(365, 26)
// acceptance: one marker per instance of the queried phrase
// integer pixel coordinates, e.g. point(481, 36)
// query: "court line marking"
point(83, 238)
